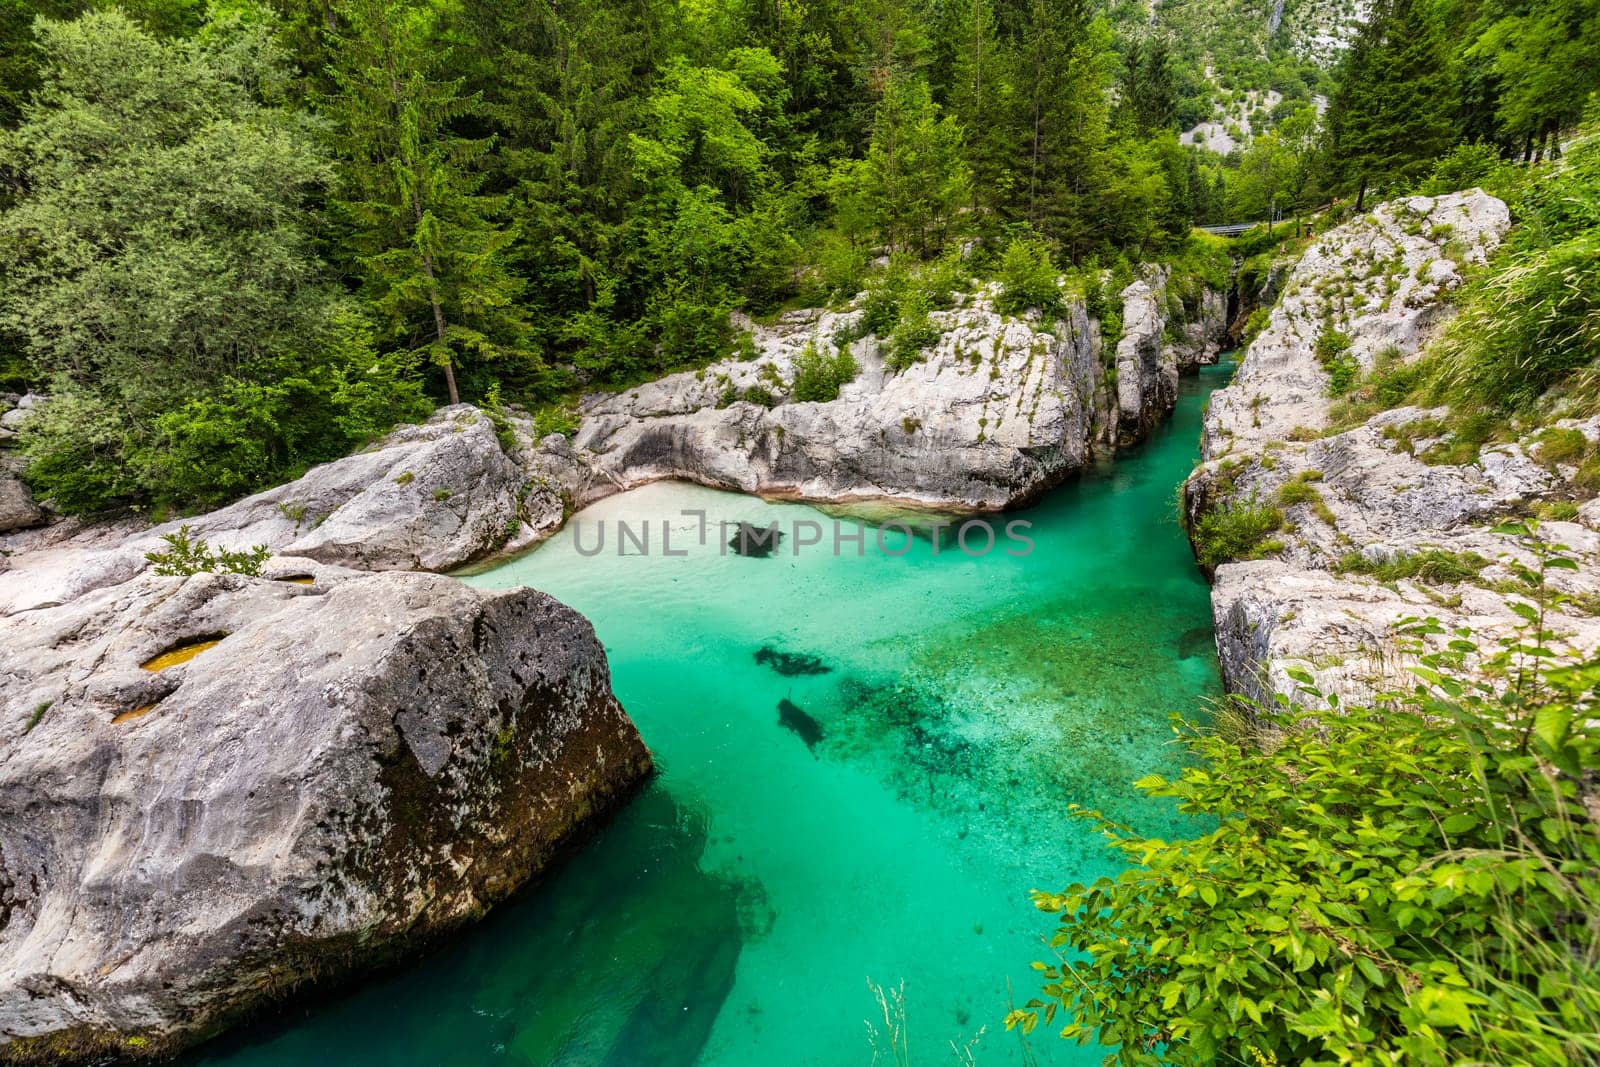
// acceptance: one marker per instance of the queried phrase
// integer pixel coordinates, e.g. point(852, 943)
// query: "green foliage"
point(1532, 322)
point(1236, 531)
point(818, 376)
point(1433, 566)
point(433, 259)
point(914, 332)
point(555, 418)
point(191, 347)
point(1411, 881)
point(36, 717)
point(1333, 355)
point(1028, 279)
point(914, 179)
point(1391, 115)
point(186, 555)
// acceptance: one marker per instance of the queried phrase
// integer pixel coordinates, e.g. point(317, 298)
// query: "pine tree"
point(1542, 54)
point(432, 256)
point(1391, 115)
point(915, 168)
point(1149, 84)
point(980, 98)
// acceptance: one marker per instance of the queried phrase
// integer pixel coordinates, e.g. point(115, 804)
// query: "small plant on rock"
point(186, 555)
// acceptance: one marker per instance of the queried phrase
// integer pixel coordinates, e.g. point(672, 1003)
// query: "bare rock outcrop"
point(996, 412)
point(427, 497)
point(1376, 522)
point(356, 766)
point(1379, 280)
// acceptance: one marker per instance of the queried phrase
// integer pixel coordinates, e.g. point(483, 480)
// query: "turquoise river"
point(886, 825)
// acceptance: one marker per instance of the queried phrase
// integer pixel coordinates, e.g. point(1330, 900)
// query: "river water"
point(876, 815)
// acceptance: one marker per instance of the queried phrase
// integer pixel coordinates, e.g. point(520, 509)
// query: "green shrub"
point(185, 555)
point(1412, 881)
point(1028, 279)
point(555, 418)
point(1557, 445)
point(1236, 531)
point(817, 376)
point(1433, 566)
point(1333, 355)
point(1255, 324)
point(915, 332)
point(880, 305)
point(759, 394)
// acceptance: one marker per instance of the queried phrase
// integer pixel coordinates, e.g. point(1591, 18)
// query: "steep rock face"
point(995, 413)
point(358, 765)
point(427, 497)
point(999, 410)
point(1378, 279)
point(1373, 494)
point(1147, 369)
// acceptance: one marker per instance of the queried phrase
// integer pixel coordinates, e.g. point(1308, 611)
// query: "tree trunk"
point(438, 310)
point(1361, 193)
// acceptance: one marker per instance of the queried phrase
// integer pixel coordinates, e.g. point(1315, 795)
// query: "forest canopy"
point(243, 238)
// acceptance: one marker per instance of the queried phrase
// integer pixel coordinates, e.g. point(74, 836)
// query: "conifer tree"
point(979, 99)
point(1392, 114)
point(428, 247)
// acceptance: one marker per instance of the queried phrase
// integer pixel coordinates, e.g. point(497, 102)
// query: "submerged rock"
point(756, 542)
point(793, 717)
point(356, 766)
point(790, 664)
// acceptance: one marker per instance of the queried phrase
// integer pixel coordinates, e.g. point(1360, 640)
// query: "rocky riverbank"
point(1351, 528)
point(999, 410)
point(217, 790)
point(996, 412)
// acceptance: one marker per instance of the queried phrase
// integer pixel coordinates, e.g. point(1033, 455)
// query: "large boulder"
point(360, 764)
point(17, 509)
point(427, 497)
point(993, 414)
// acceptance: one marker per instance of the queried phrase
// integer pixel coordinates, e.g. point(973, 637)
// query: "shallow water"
point(810, 830)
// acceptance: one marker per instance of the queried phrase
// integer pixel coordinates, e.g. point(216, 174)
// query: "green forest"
point(242, 238)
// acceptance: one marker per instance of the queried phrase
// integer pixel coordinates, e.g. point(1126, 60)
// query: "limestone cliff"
point(1347, 499)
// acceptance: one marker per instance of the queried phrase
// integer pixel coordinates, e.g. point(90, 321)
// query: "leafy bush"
point(1254, 325)
point(1028, 279)
point(1473, 164)
point(1333, 354)
point(817, 376)
point(1236, 531)
point(915, 332)
point(759, 394)
point(880, 306)
point(1409, 882)
point(185, 556)
point(555, 418)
